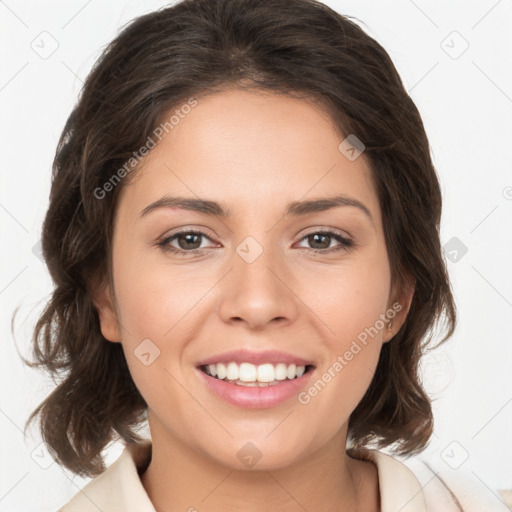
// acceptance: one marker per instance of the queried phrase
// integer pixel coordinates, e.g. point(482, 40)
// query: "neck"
point(179, 478)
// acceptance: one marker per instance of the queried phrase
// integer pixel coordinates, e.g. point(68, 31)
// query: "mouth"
point(256, 380)
point(251, 375)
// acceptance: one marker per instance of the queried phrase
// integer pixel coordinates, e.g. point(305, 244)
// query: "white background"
point(466, 103)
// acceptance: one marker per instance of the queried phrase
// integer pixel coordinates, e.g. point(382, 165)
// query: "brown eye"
point(187, 242)
point(320, 241)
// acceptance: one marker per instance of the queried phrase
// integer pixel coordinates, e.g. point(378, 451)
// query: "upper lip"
point(256, 358)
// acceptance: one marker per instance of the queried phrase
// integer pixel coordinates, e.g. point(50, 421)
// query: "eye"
point(187, 241)
point(324, 239)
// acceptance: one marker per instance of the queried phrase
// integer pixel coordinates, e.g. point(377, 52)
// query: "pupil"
point(187, 237)
point(319, 235)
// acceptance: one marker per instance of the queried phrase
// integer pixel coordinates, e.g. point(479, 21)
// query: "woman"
point(243, 233)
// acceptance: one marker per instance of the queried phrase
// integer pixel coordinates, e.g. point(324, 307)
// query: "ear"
point(103, 301)
point(400, 303)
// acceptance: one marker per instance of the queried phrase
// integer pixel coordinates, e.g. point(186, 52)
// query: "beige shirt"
point(414, 487)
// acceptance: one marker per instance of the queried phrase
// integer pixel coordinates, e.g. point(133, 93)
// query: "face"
point(310, 285)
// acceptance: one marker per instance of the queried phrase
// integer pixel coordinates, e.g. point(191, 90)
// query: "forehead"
point(253, 151)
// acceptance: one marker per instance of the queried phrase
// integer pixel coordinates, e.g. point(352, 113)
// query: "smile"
point(250, 375)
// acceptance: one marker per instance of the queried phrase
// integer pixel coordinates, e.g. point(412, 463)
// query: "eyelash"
point(345, 243)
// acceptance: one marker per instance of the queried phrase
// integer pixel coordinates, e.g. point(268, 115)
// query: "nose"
point(258, 292)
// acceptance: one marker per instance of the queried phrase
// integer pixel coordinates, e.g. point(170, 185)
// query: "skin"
point(255, 153)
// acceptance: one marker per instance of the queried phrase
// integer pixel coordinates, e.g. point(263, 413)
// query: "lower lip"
point(256, 397)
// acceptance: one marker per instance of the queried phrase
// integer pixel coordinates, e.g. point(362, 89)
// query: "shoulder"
point(460, 489)
point(119, 488)
point(415, 484)
point(423, 484)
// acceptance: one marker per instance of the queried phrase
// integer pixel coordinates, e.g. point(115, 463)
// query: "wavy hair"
point(300, 48)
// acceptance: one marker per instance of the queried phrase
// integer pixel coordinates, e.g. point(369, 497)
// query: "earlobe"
point(401, 308)
point(109, 323)
point(388, 335)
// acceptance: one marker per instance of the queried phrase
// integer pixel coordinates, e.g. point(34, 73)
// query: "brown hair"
point(301, 48)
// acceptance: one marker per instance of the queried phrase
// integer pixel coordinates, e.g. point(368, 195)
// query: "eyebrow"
point(295, 208)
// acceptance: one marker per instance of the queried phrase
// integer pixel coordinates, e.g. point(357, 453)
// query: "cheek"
point(153, 298)
point(352, 298)
point(352, 305)
point(159, 308)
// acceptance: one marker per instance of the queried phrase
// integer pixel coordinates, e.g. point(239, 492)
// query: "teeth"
point(246, 373)
point(291, 371)
point(232, 371)
point(252, 374)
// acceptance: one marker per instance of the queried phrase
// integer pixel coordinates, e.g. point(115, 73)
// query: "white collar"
point(399, 488)
point(119, 488)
